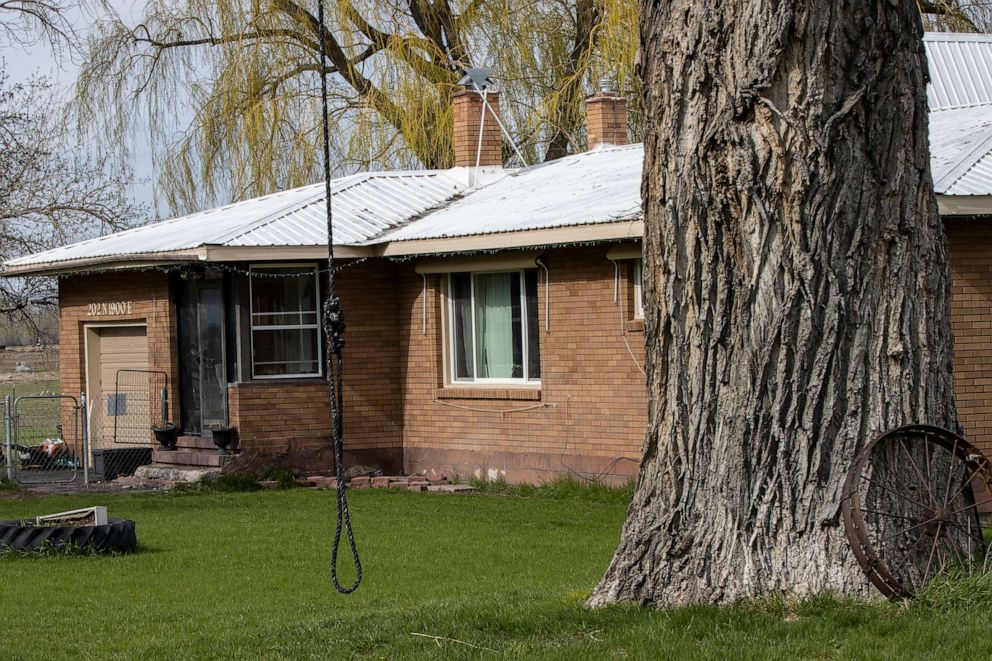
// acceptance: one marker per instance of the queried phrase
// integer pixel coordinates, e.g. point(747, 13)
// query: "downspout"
point(616, 281)
point(547, 295)
point(424, 276)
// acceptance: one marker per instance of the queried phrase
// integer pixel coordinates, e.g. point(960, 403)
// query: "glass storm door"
point(202, 357)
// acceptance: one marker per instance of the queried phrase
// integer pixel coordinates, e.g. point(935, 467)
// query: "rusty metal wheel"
point(911, 506)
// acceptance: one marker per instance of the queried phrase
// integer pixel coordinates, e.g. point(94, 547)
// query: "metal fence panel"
point(8, 448)
point(121, 421)
point(45, 443)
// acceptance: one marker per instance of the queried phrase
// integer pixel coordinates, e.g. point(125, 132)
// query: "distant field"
point(42, 377)
point(39, 359)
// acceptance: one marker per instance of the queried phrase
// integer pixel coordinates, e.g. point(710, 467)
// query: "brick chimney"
point(606, 117)
point(467, 108)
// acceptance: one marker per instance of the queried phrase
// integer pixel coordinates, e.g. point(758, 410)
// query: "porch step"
point(196, 443)
point(190, 458)
point(174, 473)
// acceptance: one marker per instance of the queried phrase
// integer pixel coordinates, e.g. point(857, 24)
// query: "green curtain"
point(494, 326)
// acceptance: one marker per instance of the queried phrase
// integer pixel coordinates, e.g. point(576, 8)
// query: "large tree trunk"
point(797, 288)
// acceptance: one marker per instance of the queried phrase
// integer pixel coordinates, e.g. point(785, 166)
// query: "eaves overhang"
point(555, 236)
point(201, 255)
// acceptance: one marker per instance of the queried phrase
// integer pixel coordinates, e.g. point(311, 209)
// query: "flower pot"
point(166, 436)
point(223, 437)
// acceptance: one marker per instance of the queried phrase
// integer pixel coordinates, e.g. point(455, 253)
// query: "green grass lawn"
point(30, 387)
point(246, 575)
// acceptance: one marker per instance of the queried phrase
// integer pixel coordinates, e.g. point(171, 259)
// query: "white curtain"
point(494, 326)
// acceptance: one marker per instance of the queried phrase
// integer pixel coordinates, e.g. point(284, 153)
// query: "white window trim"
point(638, 290)
point(252, 327)
point(450, 379)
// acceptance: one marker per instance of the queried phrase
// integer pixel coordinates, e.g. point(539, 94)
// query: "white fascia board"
point(964, 205)
point(107, 263)
point(280, 253)
point(631, 229)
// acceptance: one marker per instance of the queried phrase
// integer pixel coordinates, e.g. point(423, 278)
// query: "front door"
point(202, 364)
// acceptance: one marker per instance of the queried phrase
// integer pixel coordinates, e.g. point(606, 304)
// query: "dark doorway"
point(202, 355)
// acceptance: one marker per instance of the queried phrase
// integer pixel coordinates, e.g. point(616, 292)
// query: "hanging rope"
point(333, 324)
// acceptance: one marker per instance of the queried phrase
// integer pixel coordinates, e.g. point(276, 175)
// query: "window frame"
point(315, 268)
point(449, 376)
point(638, 288)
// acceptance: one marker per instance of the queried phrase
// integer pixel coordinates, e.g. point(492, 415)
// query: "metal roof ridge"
point(266, 219)
point(964, 164)
point(351, 182)
point(384, 234)
point(977, 104)
point(569, 158)
point(932, 35)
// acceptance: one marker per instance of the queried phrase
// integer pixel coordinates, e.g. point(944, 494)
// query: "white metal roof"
point(365, 205)
point(599, 186)
point(960, 69)
point(961, 150)
point(604, 185)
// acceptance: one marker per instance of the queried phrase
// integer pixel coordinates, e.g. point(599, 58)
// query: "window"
point(285, 332)
point(493, 327)
point(638, 291)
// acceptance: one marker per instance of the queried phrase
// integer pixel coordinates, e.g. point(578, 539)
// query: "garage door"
point(111, 349)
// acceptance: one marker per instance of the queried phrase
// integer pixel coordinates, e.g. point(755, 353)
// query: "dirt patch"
point(32, 491)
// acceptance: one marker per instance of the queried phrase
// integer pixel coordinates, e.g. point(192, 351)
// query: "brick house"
point(494, 318)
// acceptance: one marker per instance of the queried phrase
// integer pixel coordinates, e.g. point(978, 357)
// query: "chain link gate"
point(121, 422)
point(45, 443)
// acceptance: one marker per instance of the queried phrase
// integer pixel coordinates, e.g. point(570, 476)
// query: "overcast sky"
point(39, 59)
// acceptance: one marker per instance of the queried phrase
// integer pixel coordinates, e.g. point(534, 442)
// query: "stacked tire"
point(117, 536)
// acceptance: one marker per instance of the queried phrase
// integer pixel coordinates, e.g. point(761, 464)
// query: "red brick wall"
point(151, 304)
point(592, 410)
point(588, 416)
point(283, 423)
point(971, 320)
point(272, 415)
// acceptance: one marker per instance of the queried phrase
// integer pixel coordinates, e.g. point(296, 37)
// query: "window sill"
point(281, 381)
point(473, 392)
point(635, 326)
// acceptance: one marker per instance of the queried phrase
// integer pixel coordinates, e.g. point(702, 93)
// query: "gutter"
point(201, 255)
point(105, 263)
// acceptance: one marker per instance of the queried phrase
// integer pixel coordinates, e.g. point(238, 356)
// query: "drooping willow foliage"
point(227, 89)
point(956, 15)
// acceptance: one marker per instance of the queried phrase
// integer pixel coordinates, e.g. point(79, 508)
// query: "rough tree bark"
point(797, 288)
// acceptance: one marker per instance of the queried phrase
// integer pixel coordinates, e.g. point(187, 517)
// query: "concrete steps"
point(190, 457)
point(194, 457)
point(196, 443)
point(166, 473)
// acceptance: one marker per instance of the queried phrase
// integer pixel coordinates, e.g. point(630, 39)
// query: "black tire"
point(117, 536)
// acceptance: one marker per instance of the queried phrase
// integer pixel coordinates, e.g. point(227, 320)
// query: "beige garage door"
point(111, 349)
